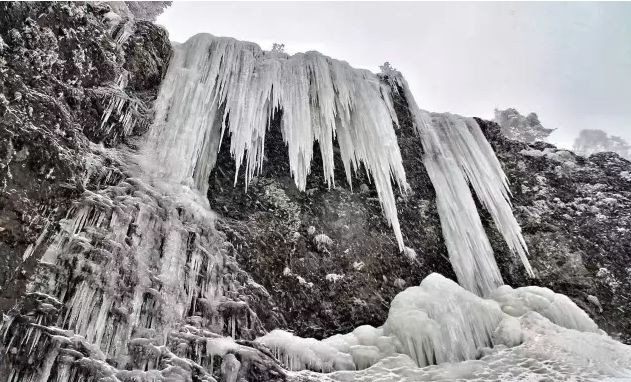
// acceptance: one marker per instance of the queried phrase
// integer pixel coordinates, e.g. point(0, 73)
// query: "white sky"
point(568, 62)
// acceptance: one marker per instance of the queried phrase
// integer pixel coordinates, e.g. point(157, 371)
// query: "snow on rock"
point(322, 242)
point(333, 277)
point(220, 86)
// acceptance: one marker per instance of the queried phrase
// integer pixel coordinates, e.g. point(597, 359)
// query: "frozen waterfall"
point(458, 155)
point(216, 85)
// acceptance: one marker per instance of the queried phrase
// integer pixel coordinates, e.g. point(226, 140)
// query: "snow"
point(217, 87)
point(333, 277)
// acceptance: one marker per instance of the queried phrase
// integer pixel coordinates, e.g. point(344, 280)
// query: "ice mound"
point(439, 321)
point(440, 331)
point(556, 307)
point(549, 353)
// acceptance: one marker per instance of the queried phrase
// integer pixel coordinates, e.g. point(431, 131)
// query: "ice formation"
point(458, 155)
point(218, 85)
point(556, 307)
point(137, 285)
point(440, 331)
point(548, 353)
point(136, 274)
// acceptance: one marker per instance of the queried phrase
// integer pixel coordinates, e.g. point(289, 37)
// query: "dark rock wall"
point(59, 65)
point(270, 224)
point(575, 214)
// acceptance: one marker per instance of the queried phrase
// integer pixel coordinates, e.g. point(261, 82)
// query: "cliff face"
point(574, 213)
point(77, 80)
point(61, 67)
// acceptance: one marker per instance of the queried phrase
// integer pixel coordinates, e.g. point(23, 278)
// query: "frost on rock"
point(333, 277)
point(440, 331)
point(220, 86)
point(322, 242)
point(458, 155)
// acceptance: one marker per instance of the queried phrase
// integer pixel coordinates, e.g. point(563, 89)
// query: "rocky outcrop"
point(521, 128)
point(575, 214)
point(60, 80)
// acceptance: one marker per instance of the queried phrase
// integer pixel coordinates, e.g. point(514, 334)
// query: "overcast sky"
point(568, 62)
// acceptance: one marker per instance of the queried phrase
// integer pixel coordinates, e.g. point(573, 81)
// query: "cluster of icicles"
point(135, 285)
point(217, 85)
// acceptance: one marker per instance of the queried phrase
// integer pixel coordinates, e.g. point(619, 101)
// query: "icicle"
point(215, 85)
point(456, 154)
point(470, 251)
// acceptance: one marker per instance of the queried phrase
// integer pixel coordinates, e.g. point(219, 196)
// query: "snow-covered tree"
point(387, 69)
point(278, 48)
point(525, 129)
point(147, 10)
point(590, 141)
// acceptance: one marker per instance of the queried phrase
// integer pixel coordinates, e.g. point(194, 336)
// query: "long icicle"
point(457, 154)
